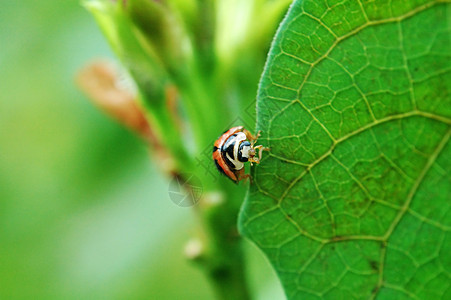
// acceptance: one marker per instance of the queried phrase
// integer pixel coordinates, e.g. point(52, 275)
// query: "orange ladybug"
point(232, 149)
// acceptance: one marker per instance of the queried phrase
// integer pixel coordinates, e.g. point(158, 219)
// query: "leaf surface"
point(353, 200)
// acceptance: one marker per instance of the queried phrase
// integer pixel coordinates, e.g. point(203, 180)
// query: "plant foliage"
point(353, 201)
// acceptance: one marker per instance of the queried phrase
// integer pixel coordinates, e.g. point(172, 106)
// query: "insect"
point(233, 148)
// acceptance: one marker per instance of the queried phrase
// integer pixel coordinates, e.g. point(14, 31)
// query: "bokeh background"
point(84, 213)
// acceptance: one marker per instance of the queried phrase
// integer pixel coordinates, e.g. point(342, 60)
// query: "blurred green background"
point(83, 211)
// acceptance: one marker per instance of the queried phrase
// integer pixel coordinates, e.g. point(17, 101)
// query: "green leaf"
point(353, 200)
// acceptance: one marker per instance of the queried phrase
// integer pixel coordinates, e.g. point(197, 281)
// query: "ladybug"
point(232, 149)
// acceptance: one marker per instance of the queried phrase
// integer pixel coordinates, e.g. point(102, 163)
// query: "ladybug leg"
point(260, 152)
point(242, 176)
point(252, 138)
point(254, 160)
point(260, 148)
point(246, 177)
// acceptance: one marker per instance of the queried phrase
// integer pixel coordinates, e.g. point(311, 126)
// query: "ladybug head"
point(245, 151)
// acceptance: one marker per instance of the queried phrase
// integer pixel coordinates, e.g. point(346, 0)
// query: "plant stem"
point(223, 261)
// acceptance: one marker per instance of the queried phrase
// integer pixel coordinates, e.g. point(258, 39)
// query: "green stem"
point(170, 136)
point(199, 83)
point(224, 261)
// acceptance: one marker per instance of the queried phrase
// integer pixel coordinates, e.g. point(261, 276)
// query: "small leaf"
point(353, 201)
